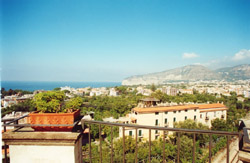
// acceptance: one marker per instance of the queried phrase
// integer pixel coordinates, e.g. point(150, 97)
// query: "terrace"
point(232, 152)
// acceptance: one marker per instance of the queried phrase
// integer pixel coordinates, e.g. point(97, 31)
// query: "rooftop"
point(180, 107)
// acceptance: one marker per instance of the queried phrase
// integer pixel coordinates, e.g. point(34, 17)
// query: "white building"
point(99, 91)
point(247, 93)
point(170, 91)
point(166, 116)
point(113, 92)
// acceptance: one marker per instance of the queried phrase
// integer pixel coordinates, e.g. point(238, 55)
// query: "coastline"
point(50, 85)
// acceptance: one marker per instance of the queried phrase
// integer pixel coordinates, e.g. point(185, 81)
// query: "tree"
point(73, 104)
point(13, 92)
point(153, 87)
point(186, 149)
point(121, 89)
point(161, 96)
point(50, 101)
point(219, 125)
point(190, 124)
point(66, 91)
point(57, 89)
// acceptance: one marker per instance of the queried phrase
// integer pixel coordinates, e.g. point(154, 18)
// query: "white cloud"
point(241, 55)
point(189, 55)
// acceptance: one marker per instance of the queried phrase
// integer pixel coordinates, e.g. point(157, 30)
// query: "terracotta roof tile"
point(179, 107)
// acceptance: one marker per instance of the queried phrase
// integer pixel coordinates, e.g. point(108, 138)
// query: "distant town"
point(215, 87)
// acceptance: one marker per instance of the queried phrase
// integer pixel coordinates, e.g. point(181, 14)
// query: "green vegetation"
point(186, 147)
point(49, 102)
point(57, 89)
point(181, 98)
point(13, 92)
point(106, 106)
point(153, 87)
point(55, 102)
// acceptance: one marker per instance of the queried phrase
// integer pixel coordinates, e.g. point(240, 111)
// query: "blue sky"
point(109, 40)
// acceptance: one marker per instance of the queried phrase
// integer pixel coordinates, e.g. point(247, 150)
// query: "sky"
point(110, 40)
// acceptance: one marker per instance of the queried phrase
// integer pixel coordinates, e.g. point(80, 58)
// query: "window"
point(166, 120)
point(200, 115)
point(174, 119)
point(215, 114)
point(130, 133)
point(135, 113)
point(195, 110)
point(156, 113)
point(166, 112)
point(179, 111)
point(156, 137)
point(156, 131)
point(185, 117)
point(140, 132)
point(186, 110)
point(195, 117)
point(174, 111)
point(156, 122)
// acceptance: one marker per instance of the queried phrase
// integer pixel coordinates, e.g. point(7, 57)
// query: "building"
point(113, 92)
point(166, 116)
point(187, 91)
point(247, 93)
point(170, 91)
point(14, 99)
point(99, 91)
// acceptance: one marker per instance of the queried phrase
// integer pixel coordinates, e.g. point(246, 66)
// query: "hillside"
point(190, 73)
point(235, 73)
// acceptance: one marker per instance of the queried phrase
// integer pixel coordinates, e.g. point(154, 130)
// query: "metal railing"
point(164, 130)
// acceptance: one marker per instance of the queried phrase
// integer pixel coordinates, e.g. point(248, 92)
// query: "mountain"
point(235, 73)
point(190, 73)
point(186, 73)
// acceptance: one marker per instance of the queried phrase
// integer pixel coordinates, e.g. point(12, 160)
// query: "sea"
point(48, 85)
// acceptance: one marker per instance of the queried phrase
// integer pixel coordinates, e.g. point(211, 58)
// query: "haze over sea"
point(48, 85)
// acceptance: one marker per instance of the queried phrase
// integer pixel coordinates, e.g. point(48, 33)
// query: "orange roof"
point(179, 107)
point(165, 108)
point(208, 106)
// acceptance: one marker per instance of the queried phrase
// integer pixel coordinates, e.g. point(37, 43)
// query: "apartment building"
point(166, 116)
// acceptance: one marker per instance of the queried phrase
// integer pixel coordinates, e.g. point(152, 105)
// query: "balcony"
point(164, 131)
point(88, 152)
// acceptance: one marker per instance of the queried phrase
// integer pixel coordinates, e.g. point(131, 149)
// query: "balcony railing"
point(164, 130)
